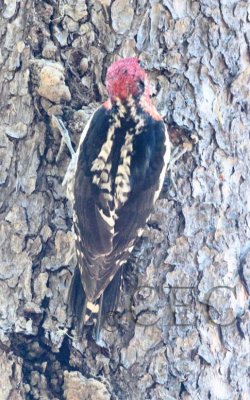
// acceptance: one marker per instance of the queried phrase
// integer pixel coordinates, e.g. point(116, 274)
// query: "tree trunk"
point(182, 327)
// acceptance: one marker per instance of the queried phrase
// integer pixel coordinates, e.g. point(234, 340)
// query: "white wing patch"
point(139, 121)
point(122, 180)
point(101, 167)
point(101, 161)
point(109, 219)
point(69, 179)
point(166, 161)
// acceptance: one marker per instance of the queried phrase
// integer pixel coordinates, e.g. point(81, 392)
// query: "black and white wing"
point(119, 174)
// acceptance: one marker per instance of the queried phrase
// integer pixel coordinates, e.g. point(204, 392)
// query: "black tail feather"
point(79, 309)
point(76, 296)
point(99, 318)
point(112, 293)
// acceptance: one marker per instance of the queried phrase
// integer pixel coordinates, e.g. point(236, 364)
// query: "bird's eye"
point(141, 85)
point(142, 64)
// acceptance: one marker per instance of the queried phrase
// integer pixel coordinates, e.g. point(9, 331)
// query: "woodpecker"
point(114, 179)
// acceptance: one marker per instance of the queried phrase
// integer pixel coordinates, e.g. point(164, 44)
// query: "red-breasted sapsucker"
point(118, 172)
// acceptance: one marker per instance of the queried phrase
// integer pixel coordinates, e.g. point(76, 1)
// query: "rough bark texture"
point(189, 277)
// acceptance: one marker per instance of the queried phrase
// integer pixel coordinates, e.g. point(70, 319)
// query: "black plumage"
point(109, 215)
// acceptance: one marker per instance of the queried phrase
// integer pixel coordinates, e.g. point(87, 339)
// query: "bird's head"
point(126, 78)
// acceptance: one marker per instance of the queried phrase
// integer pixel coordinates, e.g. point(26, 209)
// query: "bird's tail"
point(83, 312)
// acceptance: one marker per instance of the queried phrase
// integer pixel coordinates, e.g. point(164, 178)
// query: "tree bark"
point(182, 327)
